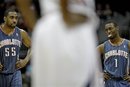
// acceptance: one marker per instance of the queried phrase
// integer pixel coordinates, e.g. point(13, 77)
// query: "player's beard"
point(13, 25)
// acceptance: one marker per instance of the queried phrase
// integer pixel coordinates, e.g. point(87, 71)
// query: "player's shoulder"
point(127, 40)
point(100, 46)
point(22, 32)
point(103, 43)
point(20, 29)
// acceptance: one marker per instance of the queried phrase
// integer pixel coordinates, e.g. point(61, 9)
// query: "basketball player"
point(11, 38)
point(62, 54)
point(116, 57)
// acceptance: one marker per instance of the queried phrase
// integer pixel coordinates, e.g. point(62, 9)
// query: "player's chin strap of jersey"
point(108, 76)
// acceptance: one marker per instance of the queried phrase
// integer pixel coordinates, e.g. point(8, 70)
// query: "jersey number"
point(8, 50)
point(115, 62)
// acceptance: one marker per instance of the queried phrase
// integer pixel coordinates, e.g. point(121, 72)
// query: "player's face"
point(11, 19)
point(111, 30)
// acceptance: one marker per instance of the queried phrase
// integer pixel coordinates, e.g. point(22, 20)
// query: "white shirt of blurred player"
point(64, 57)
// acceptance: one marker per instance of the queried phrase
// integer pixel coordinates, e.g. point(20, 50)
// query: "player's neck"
point(116, 41)
point(7, 30)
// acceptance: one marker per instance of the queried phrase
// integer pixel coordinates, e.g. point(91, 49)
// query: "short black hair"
point(11, 9)
point(111, 21)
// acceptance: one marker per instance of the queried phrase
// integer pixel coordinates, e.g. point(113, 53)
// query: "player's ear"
point(4, 18)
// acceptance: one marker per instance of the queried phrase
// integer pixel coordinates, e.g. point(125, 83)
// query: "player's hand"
point(21, 63)
point(1, 67)
point(127, 78)
point(106, 76)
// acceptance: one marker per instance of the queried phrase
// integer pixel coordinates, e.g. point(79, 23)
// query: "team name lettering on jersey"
point(116, 53)
point(10, 42)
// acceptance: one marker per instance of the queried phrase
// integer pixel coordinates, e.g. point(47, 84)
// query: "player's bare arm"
point(100, 49)
point(1, 66)
point(27, 42)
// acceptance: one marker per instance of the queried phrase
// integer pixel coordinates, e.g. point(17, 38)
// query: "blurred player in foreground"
point(116, 57)
point(64, 45)
point(11, 38)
